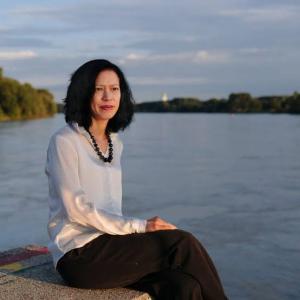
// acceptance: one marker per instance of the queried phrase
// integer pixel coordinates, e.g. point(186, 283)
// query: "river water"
point(231, 180)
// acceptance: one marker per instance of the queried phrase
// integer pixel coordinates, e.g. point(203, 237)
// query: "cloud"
point(264, 14)
point(143, 16)
point(228, 44)
point(253, 51)
point(14, 55)
point(166, 81)
point(198, 57)
point(24, 42)
point(211, 57)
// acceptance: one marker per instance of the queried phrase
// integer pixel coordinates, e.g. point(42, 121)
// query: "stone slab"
point(28, 273)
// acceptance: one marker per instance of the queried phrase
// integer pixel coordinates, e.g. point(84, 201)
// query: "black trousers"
point(167, 264)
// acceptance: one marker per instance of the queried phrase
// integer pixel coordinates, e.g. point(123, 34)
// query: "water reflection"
point(233, 181)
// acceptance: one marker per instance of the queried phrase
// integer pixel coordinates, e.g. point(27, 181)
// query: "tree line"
point(236, 103)
point(22, 101)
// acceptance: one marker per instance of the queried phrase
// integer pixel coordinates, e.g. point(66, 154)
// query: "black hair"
point(81, 90)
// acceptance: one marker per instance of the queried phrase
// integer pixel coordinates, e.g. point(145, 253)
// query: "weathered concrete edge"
point(29, 270)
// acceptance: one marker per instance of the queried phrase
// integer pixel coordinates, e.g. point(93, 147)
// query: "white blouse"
point(85, 194)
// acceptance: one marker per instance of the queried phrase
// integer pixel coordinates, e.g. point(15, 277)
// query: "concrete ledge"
point(28, 273)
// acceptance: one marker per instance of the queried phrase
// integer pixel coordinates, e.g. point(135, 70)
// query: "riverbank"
point(9, 119)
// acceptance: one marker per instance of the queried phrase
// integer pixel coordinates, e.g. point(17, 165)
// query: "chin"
point(106, 116)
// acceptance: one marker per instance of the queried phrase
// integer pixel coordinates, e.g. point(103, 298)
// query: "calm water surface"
point(231, 180)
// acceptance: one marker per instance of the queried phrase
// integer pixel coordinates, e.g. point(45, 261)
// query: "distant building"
point(164, 97)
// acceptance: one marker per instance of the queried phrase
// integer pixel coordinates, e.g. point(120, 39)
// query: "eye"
point(115, 88)
point(99, 88)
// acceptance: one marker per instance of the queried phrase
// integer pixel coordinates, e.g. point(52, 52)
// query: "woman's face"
point(107, 95)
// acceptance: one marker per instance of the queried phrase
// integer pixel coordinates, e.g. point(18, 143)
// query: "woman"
point(92, 244)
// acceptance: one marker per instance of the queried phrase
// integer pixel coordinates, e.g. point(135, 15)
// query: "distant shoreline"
point(236, 103)
point(239, 103)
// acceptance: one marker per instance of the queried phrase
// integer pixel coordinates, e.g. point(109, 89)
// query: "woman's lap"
point(119, 260)
point(148, 262)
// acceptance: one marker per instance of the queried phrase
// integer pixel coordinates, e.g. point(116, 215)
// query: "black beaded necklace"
point(96, 148)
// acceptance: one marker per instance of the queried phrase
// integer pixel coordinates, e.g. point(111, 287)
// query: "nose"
point(107, 95)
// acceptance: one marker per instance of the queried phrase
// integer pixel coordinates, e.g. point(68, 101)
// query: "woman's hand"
point(157, 223)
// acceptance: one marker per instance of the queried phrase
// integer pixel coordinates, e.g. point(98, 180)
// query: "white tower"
point(164, 97)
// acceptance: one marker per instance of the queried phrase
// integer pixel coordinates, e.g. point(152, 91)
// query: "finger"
point(167, 226)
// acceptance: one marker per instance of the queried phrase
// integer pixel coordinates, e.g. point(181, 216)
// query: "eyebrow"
point(97, 84)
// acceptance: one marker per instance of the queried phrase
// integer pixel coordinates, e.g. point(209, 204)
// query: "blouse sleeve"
point(64, 186)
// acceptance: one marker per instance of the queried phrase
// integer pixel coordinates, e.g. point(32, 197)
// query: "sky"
point(191, 48)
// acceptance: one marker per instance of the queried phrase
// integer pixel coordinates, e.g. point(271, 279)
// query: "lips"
point(107, 107)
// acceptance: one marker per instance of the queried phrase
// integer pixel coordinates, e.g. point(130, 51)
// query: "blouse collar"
point(82, 130)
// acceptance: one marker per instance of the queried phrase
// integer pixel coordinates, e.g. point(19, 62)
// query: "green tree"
point(255, 106)
point(293, 103)
point(239, 102)
point(276, 105)
point(8, 97)
point(48, 101)
point(23, 101)
point(186, 104)
point(211, 105)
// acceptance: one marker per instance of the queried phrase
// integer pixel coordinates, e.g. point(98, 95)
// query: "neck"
point(98, 128)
